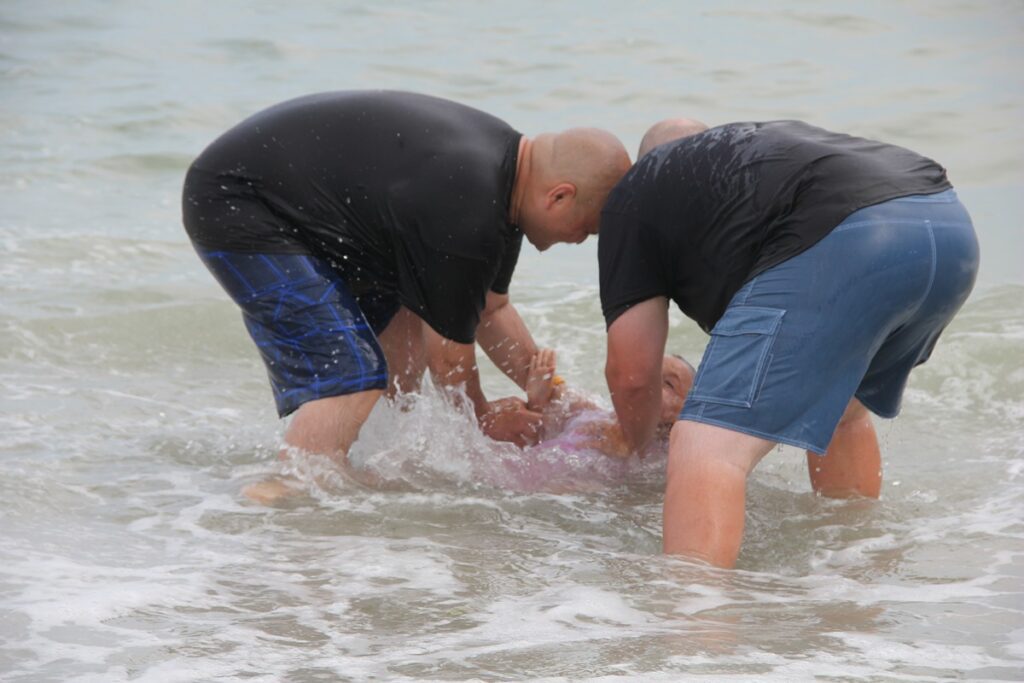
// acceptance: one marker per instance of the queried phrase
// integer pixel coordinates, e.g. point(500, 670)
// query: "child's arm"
point(548, 394)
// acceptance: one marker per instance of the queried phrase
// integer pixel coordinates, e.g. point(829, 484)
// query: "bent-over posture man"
point(824, 266)
point(340, 222)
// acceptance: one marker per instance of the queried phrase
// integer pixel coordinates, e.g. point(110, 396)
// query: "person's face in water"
point(676, 380)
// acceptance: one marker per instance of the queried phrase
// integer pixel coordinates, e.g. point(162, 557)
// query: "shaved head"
point(591, 159)
point(562, 182)
point(668, 130)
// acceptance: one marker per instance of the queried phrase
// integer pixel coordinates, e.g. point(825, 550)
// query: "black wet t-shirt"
point(403, 194)
point(696, 218)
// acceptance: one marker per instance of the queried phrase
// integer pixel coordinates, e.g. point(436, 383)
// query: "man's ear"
point(559, 193)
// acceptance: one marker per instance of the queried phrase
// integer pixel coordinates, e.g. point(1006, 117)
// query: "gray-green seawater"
point(133, 407)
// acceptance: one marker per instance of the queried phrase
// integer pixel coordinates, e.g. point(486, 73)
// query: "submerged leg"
point(705, 495)
point(327, 426)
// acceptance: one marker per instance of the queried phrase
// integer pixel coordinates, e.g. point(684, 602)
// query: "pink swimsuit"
point(564, 463)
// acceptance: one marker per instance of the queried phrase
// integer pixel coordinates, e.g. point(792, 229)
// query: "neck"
point(523, 166)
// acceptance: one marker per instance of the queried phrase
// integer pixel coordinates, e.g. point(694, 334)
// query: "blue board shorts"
point(315, 337)
point(851, 316)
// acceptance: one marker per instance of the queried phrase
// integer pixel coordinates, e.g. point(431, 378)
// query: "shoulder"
point(792, 131)
point(457, 123)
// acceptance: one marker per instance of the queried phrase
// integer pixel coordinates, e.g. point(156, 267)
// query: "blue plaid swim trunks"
point(316, 339)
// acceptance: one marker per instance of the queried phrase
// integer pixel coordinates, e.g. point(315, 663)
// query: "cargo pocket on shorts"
point(736, 359)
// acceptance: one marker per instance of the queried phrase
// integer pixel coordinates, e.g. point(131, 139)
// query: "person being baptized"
point(577, 435)
point(573, 422)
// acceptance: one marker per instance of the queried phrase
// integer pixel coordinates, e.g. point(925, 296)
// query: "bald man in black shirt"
point(365, 234)
point(824, 267)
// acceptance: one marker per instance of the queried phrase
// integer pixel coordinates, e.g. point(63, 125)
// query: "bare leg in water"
point(329, 426)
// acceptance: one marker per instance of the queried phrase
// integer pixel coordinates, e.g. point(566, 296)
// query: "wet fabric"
point(403, 194)
point(315, 337)
point(851, 316)
point(696, 218)
point(579, 431)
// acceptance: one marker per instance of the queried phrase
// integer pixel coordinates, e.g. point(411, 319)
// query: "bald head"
point(590, 158)
point(562, 181)
point(668, 130)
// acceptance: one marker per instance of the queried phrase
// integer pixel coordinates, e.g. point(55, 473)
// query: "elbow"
point(490, 312)
point(622, 380)
point(493, 305)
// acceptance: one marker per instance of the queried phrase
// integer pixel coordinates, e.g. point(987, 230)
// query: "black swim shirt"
point(696, 218)
point(403, 194)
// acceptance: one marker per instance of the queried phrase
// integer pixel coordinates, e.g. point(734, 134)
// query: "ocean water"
point(133, 408)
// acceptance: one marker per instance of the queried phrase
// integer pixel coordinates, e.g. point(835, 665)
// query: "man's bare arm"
point(504, 338)
point(636, 344)
point(453, 366)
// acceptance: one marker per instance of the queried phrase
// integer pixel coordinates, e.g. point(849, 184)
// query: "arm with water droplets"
point(636, 345)
point(503, 336)
point(454, 369)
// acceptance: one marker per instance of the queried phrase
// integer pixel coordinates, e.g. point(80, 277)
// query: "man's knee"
point(329, 426)
point(343, 409)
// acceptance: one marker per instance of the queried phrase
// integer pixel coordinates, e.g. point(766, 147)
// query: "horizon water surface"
point(133, 408)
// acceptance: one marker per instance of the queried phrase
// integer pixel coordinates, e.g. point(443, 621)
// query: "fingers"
point(533, 424)
point(538, 382)
point(507, 404)
point(546, 361)
point(542, 364)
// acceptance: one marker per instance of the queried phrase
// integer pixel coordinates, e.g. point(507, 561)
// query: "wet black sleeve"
point(455, 240)
point(448, 291)
point(630, 266)
point(445, 267)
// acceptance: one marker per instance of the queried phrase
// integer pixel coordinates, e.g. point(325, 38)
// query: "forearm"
point(636, 342)
point(637, 409)
point(454, 370)
point(503, 336)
